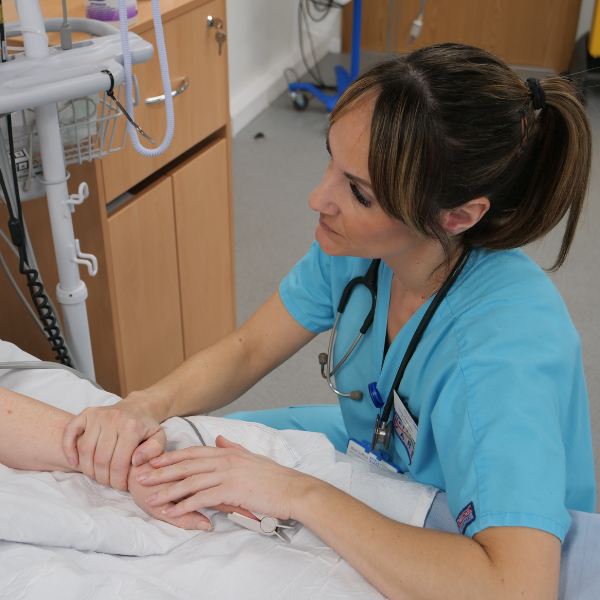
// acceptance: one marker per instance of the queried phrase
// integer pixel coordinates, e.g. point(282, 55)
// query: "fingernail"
point(142, 477)
point(139, 459)
point(169, 510)
point(72, 462)
point(202, 526)
point(150, 498)
point(155, 461)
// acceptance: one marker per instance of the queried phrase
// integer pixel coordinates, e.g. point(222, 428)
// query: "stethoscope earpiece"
point(323, 363)
point(356, 395)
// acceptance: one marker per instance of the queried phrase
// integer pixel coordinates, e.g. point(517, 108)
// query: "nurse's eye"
point(359, 196)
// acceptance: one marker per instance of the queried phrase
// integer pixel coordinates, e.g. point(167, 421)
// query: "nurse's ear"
point(457, 220)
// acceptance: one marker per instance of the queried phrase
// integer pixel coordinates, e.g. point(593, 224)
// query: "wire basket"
point(88, 130)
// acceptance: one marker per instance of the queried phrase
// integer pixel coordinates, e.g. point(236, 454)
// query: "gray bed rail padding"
point(580, 558)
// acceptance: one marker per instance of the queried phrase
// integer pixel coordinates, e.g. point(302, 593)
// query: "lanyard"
point(383, 429)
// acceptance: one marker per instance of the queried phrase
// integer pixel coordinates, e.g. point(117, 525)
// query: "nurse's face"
point(351, 222)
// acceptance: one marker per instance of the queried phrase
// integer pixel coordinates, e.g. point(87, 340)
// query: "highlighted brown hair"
point(447, 127)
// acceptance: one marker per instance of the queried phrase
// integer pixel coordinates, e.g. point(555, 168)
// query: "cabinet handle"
point(174, 93)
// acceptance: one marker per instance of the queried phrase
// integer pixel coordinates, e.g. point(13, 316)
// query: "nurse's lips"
point(326, 227)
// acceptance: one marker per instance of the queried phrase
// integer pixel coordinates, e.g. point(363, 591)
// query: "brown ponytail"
point(451, 123)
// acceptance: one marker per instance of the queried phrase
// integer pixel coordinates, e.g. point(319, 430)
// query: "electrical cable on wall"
point(322, 9)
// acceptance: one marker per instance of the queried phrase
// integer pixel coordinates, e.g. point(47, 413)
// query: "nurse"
point(432, 154)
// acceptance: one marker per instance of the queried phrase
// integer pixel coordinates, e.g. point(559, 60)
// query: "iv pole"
point(71, 291)
point(39, 78)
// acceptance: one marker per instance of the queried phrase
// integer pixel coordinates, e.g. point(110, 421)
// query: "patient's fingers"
point(74, 428)
point(154, 446)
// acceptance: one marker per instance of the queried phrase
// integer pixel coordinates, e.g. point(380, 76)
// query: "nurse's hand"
point(105, 441)
point(228, 474)
point(192, 520)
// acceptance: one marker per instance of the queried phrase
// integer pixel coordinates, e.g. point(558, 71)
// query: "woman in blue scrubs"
point(431, 153)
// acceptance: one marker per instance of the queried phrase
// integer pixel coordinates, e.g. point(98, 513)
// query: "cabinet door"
point(200, 110)
point(206, 274)
point(144, 257)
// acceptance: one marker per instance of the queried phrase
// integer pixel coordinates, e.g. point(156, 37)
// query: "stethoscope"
point(383, 429)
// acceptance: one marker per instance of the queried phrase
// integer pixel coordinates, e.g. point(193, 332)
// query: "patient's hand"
point(139, 492)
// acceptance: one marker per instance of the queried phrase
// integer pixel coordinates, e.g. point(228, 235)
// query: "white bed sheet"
point(66, 536)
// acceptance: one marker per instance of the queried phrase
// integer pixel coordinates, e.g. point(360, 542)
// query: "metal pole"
point(71, 292)
point(356, 27)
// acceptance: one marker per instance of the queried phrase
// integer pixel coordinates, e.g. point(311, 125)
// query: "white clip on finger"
point(265, 524)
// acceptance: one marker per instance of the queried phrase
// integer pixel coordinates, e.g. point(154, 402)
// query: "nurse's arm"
point(104, 440)
point(405, 562)
point(215, 377)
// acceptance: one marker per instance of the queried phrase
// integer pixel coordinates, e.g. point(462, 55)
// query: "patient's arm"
point(31, 434)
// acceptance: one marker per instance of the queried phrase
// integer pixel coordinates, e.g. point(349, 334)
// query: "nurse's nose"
point(322, 198)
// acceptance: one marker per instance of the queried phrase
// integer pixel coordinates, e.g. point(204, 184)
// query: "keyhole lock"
point(220, 35)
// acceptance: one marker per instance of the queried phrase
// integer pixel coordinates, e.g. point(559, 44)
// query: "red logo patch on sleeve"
point(466, 517)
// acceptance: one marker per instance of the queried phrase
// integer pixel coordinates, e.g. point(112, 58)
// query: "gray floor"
point(272, 179)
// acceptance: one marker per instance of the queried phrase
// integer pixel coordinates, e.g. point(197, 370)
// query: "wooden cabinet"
point(173, 267)
point(146, 282)
point(536, 33)
point(199, 111)
point(161, 228)
point(203, 222)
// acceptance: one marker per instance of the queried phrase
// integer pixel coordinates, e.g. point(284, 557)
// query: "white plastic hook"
point(82, 193)
point(89, 260)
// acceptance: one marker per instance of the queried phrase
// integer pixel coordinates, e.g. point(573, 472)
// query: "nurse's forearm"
point(31, 434)
point(214, 377)
point(405, 562)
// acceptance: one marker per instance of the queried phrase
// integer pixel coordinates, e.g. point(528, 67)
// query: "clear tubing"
point(164, 71)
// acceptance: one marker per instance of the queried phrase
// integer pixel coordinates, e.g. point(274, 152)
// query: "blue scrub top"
point(496, 382)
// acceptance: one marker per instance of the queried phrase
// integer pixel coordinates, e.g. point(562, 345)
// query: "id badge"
point(405, 427)
point(378, 458)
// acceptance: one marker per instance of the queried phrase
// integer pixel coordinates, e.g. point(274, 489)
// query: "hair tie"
point(539, 95)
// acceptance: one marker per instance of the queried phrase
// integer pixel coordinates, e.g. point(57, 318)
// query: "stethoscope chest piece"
point(382, 434)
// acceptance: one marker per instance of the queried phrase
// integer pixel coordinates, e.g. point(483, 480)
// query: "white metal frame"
point(39, 78)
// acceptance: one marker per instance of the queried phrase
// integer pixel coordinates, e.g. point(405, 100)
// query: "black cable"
point(17, 234)
point(36, 288)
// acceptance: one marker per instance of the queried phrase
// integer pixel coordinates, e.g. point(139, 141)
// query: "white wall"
point(586, 14)
point(262, 41)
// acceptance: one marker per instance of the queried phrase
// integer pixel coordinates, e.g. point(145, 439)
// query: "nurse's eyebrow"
point(358, 179)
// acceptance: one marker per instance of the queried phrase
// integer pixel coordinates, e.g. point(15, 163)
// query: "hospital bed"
point(66, 536)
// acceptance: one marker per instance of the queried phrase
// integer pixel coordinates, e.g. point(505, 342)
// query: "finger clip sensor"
point(264, 524)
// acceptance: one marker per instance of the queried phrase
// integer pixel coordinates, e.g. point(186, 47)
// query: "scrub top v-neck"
point(496, 383)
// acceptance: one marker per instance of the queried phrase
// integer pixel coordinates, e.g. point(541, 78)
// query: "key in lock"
point(220, 35)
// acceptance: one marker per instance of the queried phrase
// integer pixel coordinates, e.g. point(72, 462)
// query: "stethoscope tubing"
point(369, 280)
point(331, 371)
